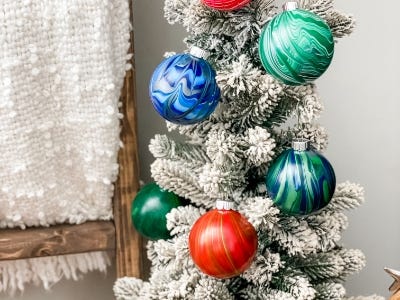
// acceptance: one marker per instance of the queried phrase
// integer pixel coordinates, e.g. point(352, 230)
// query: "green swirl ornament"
point(300, 181)
point(296, 46)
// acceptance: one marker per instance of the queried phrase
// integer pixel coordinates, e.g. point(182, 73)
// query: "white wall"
point(360, 92)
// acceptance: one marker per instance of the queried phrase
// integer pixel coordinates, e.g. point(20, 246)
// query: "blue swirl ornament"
point(296, 46)
point(183, 88)
point(300, 181)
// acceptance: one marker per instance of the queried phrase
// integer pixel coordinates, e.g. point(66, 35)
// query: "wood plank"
point(128, 241)
point(56, 240)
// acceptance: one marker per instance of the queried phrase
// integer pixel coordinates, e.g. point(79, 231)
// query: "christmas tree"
point(226, 156)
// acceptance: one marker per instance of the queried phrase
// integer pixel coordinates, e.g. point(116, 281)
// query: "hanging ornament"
point(183, 88)
point(149, 210)
point(222, 242)
point(300, 181)
point(225, 5)
point(296, 46)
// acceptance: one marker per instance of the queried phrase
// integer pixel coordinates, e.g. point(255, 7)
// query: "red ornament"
point(226, 5)
point(222, 243)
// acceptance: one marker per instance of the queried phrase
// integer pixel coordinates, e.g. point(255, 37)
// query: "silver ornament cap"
point(300, 144)
point(198, 52)
point(225, 205)
point(291, 5)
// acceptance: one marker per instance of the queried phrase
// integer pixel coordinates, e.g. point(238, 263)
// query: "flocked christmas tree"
point(241, 150)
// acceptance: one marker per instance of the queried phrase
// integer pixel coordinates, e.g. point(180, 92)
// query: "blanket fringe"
point(47, 271)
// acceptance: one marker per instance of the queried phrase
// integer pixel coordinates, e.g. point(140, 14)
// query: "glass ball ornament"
point(300, 181)
point(222, 243)
point(226, 5)
point(149, 210)
point(183, 88)
point(296, 46)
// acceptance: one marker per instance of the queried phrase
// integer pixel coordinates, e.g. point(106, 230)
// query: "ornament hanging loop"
point(291, 5)
point(224, 205)
point(198, 52)
point(300, 144)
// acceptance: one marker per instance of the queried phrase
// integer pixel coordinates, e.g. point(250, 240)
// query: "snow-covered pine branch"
point(241, 25)
point(197, 133)
point(295, 284)
point(177, 178)
point(253, 147)
point(220, 182)
point(328, 226)
point(128, 288)
point(347, 196)
point(294, 236)
point(163, 147)
point(260, 212)
point(252, 292)
point(249, 96)
point(315, 133)
point(212, 288)
point(320, 266)
point(330, 291)
point(181, 219)
point(354, 261)
point(170, 256)
point(341, 24)
point(302, 102)
point(263, 268)
point(308, 102)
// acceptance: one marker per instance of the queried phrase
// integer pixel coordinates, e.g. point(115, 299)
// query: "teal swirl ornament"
point(183, 88)
point(296, 46)
point(300, 181)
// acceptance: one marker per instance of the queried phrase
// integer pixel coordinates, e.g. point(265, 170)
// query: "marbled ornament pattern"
point(300, 182)
point(296, 47)
point(183, 89)
point(226, 5)
point(223, 243)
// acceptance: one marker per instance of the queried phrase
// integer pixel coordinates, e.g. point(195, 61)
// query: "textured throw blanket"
point(62, 65)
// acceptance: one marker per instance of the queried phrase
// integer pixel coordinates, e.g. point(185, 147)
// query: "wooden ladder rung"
point(57, 240)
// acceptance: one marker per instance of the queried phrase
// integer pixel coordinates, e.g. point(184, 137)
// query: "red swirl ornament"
point(226, 5)
point(222, 243)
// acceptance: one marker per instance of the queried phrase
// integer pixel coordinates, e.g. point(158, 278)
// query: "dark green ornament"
point(300, 181)
point(149, 210)
point(296, 46)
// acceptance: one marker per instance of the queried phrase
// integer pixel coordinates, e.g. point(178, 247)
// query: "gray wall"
point(361, 99)
point(360, 96)
point(94, 286)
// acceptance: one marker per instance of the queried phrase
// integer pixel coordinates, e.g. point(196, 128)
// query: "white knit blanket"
point(62, 65)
